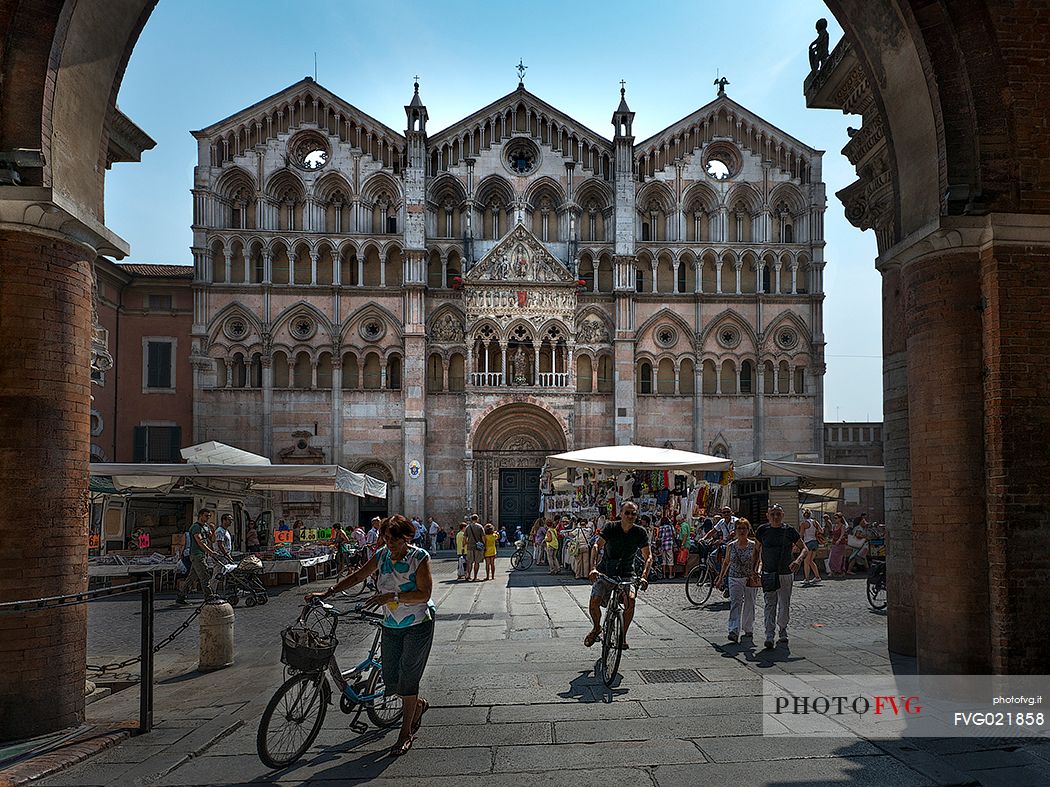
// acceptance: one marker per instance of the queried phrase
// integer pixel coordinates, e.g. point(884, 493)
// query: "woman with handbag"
point(837, 532)
point(741, 565)
point(811, 535)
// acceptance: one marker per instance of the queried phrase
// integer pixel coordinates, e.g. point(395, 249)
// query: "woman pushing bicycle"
point(621, 541)
point(404, 586)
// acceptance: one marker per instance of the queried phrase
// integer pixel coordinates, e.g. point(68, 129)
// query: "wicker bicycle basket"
point(305, 650)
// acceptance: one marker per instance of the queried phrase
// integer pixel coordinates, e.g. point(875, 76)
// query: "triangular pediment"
point(308, 91)
point(518, 99)
point(520, 257)
point(707, 113)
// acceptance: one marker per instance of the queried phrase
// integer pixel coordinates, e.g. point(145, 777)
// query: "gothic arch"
point(494, 188)
point(655, 192)
point(303, 307)
point(700, 196)
point(231, 309)
point(728, 315)
point(390, 322)
point(444, 186)
point(542, 186)
point(745, 193)
point(668, 315)
point(789, 194)
point(233, 178)
point(380, 183)
point(285, 182)
point(331, 184)
point(597, 190)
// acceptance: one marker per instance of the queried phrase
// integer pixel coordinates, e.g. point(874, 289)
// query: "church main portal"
point(519, 498)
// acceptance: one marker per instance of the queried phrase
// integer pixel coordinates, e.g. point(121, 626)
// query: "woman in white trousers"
point(740, 565)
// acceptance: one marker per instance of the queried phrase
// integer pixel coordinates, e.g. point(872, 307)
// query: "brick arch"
point(497, 430)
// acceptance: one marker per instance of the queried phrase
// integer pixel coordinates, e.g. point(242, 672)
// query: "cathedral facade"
point(443, 310)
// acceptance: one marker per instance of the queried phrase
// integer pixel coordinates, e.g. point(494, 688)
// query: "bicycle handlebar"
point(619, 582)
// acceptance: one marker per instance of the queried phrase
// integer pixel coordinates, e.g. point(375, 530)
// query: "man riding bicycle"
point(621, 540)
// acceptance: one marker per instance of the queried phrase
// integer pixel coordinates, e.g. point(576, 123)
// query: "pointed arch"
point(230, 310)
point(744, 193)
point(594, 190)
point(285, 183)
point(331, 185)
point(789, 194)
point(544, 186)
point(655, 193)
point(392, 323)
point(232, 180)
point(378, 184)
point(793, 320)
point(445, 186)
point(668, 315)
point(724, 316)
point(700, 196)
point(302, 307)
point(494, 188)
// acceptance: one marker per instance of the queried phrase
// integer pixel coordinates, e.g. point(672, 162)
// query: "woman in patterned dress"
point(404, 587)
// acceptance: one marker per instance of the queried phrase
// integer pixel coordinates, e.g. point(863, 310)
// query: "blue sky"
point(201, 60)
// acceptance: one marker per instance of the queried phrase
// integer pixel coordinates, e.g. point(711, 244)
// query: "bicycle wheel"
point(514, 560)
point(612, 645)
point(384, 711)
point(292, 719)
point(694, 585)
point(877, 588)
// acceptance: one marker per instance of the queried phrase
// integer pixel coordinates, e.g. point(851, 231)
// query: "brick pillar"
point(1016, 342)
point(899, 572)
point(45, 328)
point(946, 437)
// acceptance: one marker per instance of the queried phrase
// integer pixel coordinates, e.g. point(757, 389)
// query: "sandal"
point(591, 638)
point(401, 748)
point(424, 706)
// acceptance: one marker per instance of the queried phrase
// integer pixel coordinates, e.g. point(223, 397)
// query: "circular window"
point(310, 151)
point(728, 336)
point(721, 160)
point(521, 156)
point(666, 336)
point(372, 330)
point(96, 423)
point(302, 327)
point(717, 169)
point(236, 328)
point(787, 338)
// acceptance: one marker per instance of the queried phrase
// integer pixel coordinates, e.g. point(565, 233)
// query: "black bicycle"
point(876, 584)
point(295, 713)
point(521, 560)
point(614, 633)
point(700, 582)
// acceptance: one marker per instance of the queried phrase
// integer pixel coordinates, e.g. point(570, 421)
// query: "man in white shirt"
point(373, 535)
point(434, 528)
point(224, 550)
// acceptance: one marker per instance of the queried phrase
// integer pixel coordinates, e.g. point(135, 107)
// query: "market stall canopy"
point(638, 457)
point(215, 453)
point(838, 475)
point(232, 478)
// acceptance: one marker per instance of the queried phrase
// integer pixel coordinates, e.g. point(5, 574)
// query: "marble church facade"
point(445, 309)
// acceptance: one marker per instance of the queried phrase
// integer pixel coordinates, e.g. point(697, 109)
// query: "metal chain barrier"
point(102, 669)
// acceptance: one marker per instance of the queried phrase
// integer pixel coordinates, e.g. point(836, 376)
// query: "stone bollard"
point(216, 636)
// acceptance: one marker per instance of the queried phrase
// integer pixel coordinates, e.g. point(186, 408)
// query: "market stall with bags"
point(665, 483)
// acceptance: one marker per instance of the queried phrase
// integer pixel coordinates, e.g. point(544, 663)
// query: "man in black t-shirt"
point(621, 541)
point(776, 539)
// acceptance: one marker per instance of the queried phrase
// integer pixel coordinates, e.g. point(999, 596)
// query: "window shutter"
point(158, 365)
point(176, 443)
point(140, 444)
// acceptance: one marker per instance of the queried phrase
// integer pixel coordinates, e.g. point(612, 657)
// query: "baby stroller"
point(244, 579)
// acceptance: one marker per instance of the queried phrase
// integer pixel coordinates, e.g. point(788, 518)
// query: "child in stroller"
point(244, 579)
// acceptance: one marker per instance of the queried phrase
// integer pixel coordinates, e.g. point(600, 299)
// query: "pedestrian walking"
point(551, 544)
point(667, 547)
point(404, 585)
point(461, 552)
point(581, 537)
point(475, 537)
point(251, 538)
point(341, 544)
point(222, 542)
point(539, 535)
point(740, 566)
point(837, 534)
point(811, 535)
point(433, 529)
point(778, 573)
point(199, 545)
point(491, 537)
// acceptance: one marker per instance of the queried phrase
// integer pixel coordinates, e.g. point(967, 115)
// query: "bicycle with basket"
point(294, 715)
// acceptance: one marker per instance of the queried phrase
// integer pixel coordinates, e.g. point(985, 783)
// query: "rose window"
point(302, 327)
point(728, 336)
point(787, 338)
point(666, 336)
point(236, 328)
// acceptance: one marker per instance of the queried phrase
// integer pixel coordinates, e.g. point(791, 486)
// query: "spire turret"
point(416, 111)
point(623, 117)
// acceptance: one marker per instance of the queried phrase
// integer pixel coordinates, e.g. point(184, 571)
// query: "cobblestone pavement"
point(515, 699)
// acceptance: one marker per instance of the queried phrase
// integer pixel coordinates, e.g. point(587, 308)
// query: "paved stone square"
point(515, 699)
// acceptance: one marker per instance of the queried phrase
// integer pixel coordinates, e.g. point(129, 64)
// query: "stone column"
point(946, 447)
point(698, 405)
point(267, 400)
point(736, 268)
point(44, 445)
point(760, 410)
point(900, 576)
